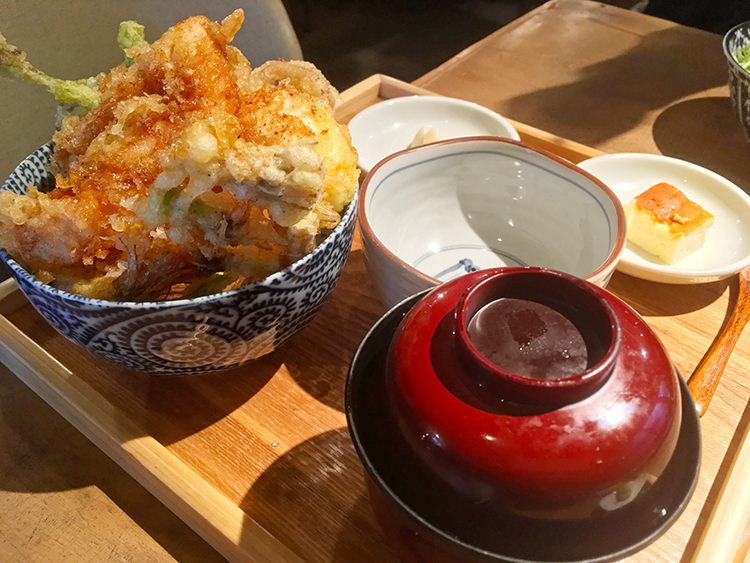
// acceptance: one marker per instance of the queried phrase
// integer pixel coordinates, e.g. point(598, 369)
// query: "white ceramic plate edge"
point(366, 162)
point(630, 263)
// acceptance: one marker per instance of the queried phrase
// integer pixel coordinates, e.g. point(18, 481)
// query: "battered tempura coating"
point(192, 163)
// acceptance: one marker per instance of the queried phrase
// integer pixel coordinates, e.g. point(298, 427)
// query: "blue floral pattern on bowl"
point(187, 336)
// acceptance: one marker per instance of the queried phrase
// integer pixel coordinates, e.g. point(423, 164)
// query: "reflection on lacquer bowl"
point(187, 336)
point(521, 414)
point(432, 213)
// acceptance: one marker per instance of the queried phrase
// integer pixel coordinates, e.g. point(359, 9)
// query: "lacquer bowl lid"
point(581, 436)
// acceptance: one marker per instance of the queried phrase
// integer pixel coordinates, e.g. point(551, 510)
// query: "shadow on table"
point(318, 356)
point(316, 492)
point(680, 125)
point(667, 300)
point(177, 407)
point(600, 103)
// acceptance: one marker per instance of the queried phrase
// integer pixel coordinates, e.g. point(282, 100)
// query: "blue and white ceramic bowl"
point(187, 336)
point(736, 39)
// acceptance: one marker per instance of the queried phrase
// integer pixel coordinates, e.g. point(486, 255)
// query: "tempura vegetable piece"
point(192, 163)
point(308, 96)
point(13, 64)
point(130, 36)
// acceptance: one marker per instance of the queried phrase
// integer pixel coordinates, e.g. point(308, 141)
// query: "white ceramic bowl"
point(390, 126)
point(727, 247)
point(431, 213)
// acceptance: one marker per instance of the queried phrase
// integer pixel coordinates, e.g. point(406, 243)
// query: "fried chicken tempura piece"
point(192, 162)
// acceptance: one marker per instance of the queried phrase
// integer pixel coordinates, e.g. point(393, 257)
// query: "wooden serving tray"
point(258, 459)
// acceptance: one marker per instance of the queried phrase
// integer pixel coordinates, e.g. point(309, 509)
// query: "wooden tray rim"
point(224, 525)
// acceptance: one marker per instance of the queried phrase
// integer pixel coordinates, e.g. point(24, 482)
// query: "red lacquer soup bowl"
point(534, 389)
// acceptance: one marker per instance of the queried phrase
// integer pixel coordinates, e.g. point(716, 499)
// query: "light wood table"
point(620, 81)
point(609, 78)
point(602, 76)
point(61, 498)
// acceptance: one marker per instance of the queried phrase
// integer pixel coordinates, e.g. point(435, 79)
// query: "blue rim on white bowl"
point(483, 214)
point(727, 247)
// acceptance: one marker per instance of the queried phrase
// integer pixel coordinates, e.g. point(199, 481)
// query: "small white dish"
point(727, 247)
point(391, 126)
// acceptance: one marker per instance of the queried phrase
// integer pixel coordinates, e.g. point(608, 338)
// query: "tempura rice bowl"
point(187, 336)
